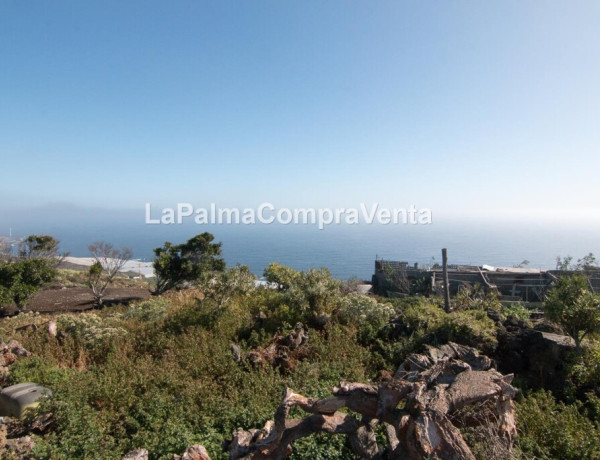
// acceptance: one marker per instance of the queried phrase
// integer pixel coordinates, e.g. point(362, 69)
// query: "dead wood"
point(417, 408)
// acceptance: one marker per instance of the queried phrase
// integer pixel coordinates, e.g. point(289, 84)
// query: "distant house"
point(527, 284)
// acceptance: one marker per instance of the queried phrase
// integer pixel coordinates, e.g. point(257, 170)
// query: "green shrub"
point(20, 279)
point(150, 310)
point(366, 314)
point(468, 327)
point(427, 321)
point(91, 330)
point(516, 310)
point(549, 429)
point(585, 372)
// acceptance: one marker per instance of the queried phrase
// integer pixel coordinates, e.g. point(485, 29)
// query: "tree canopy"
point(575, 307)
point(108, 262)
point(177, 265)
point(34, 266)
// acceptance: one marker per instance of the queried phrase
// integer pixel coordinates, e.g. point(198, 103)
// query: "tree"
point(564, 263)
point(23, 273)
point(20, 279)
point(587, 262)
point(109, 261)
point(41, 247)
point(572, 305)
point(177, 266)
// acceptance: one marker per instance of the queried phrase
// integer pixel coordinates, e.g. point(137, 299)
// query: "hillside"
point(190, 367)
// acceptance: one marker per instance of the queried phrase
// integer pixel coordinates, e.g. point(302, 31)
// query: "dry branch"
point(433, 386)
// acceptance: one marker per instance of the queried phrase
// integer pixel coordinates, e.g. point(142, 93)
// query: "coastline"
point(144, 269)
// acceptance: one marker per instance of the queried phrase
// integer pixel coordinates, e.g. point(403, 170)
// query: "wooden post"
point(446, 282)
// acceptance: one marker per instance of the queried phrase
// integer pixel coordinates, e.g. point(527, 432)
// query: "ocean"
point(346, 250)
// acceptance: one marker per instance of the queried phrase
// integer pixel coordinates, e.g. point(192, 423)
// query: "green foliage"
point(222, 286)
point(90, 330)
point(585, 373)
point(591, 407)
point(270, 310)
point(366, 314)
point(150, 310)
point(176, 266)
point(95, 274)
point(284, 277)
point(475, 297)
point(396, 280)
point(564, 263)
point(20, 279)
point(160, 373)
point(71, 278)
point(108, 262)
point(469, 327)
point(40, 247)
point(320, 290)
point(322, 446)
point(422, 320)
point(312, 295)
point(587, 262)
point(549, 429)
point(172, 382)
point(516, 310)
point(572, 305)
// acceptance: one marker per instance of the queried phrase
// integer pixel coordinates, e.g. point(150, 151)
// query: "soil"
point(80, 298)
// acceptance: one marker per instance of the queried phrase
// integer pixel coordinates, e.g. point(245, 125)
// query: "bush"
point(20, 279)
point(428, 321)
point(549, 429)
point(585, 373)
point(366, 314)
point(314, 294)
point(516, 310)
point(150, 310)
point(91, 330)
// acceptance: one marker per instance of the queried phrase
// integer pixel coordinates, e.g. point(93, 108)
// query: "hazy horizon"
point(347, 250)
point(460, 107)
point(484, 113)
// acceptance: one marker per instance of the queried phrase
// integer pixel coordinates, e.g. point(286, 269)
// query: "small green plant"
point(516, 310)
point(150, 310)
point(585, 373)
point(366, 314)
point(90, 330)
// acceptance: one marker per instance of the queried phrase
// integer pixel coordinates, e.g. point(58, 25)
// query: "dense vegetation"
point(161, 374)
point(24, 272)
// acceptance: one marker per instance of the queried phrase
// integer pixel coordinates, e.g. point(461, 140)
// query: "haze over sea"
point(346, 250)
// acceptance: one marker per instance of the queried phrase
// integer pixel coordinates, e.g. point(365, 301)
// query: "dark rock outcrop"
point(540, 359)
point(435, 387)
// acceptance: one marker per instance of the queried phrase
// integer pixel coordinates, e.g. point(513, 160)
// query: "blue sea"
point(346, 250)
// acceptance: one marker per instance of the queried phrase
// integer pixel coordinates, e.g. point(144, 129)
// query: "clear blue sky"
point(454, 105)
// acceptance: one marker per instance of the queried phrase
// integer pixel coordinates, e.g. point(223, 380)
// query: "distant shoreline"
point(145, 269)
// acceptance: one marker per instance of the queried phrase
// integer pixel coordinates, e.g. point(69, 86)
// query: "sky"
point(467, 108)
